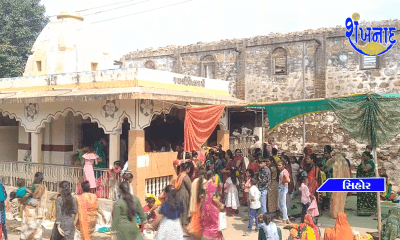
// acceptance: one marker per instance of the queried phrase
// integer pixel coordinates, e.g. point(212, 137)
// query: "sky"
point(211, 20)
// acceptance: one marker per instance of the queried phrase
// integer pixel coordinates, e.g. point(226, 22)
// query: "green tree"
point(21, 22)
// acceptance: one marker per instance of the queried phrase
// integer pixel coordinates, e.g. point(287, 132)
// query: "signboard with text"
point(353, 185)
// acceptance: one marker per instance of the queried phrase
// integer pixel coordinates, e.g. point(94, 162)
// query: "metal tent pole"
point(304, 93)
point(378, 198)
point(262, 132)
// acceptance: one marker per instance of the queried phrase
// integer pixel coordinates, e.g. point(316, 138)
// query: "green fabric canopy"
point(369, 118)
point(283, 112)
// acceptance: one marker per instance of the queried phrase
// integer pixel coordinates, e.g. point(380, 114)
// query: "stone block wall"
point(332, 69)
point(263, 85)
point(162, 63)
point(345, 76)
point(324, 129)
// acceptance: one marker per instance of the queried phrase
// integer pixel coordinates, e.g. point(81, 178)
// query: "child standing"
point(255, 205)
point(247, 186)
point(306, 197)
point(284, 179)
point(232, 196)
point(114, 175)
point(295, 172)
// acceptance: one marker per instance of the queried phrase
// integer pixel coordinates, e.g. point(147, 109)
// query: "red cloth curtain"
point(200, 123)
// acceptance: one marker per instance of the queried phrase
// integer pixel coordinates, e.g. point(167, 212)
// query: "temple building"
point(70, 96)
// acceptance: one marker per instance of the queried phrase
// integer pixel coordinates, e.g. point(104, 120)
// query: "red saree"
point(313, 179)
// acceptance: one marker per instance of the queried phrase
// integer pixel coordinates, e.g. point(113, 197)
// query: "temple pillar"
point(36, 144)
point(223, 139)
point(136, 143)
point(114, 149)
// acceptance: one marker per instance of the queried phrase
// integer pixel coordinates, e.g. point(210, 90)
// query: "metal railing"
point(53, 174)
point(243, 143)
point(156, 186)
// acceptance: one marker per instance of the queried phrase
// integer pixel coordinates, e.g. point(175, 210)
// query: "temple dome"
point(67, 45)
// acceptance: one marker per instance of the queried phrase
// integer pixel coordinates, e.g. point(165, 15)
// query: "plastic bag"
point(222, 221)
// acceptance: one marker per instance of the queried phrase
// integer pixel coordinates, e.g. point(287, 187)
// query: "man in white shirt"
point(255, 205)
point(257, 143)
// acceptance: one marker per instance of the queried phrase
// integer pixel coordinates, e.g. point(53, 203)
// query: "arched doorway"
point(165, 132)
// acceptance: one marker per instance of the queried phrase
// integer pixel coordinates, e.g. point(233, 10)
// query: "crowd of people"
point(206, 188)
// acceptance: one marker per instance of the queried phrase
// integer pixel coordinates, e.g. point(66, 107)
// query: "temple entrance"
point(91, 133)
point(124, 142)
point(165, 132)
point(212, 140)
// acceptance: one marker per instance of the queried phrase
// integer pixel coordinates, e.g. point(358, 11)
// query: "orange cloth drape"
point(200, 123)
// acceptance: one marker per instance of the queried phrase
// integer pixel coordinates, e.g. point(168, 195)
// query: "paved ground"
point(236, 226)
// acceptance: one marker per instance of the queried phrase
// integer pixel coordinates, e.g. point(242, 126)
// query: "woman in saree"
point(183, 188)
point(307, 152)
point(241, 165)
point(273, 193)
point(341, 230)
point(210, 209)
point(124, 224)
point(327, 166)
point(305, 231)
point(101, 162)
point(194, 227)
point(338, 199)
point(366, 201)
point(197, 164)
point(230, 163)
point(32, 217)
point(313, 175)
point(88, 207)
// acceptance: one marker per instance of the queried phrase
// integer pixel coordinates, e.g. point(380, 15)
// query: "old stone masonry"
point(270, 68)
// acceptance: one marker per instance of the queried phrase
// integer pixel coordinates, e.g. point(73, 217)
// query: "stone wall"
point(324, 129)
point(332, 69)
point(263, 85)
point(345, 76)
point(162, 63)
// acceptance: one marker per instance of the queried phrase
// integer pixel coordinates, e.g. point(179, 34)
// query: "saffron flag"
point(200, 123)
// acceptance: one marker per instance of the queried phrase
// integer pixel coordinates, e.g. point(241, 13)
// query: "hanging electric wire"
point(106, 10)
point(105, 6)
point(142, 12)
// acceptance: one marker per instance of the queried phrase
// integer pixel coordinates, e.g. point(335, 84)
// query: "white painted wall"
point(54, 134)
point(23, 137)
point(9, 143)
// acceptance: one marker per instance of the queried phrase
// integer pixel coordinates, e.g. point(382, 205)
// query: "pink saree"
point(210, 215)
